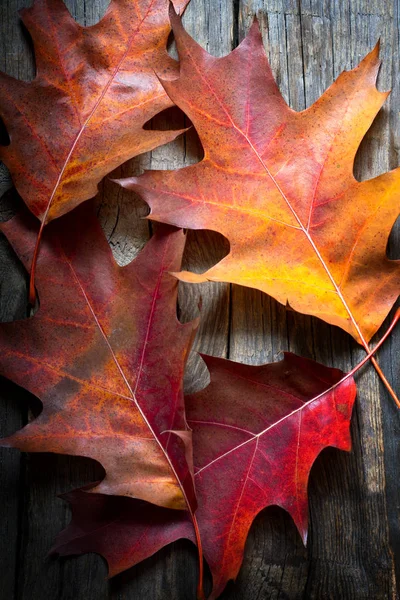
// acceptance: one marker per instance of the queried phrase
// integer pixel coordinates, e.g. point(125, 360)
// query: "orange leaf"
point(279, 185)
point(83, 114)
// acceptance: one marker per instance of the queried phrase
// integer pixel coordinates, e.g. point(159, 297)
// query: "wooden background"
point(354, 544)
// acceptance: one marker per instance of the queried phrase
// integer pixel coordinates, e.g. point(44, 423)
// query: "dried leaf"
point(257, 432)
point(279, 185)
point(83, 114)
point(105, 354)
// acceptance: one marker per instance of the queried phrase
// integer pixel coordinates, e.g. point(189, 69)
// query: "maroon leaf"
point(257, 432)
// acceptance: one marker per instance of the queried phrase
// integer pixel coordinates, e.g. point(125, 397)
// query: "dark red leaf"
point(257, 432)
point(105, 354)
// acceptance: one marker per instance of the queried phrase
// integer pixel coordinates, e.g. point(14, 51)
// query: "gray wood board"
point(354, 543)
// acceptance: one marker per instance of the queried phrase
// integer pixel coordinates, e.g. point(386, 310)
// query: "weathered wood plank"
point(318, 41)
point(16, 59)
point(31, 508)
point(261, 329)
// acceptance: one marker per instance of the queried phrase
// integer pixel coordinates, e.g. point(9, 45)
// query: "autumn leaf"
point(105, 354)
point(257, 432)
point(279, 184)
point(83, 114)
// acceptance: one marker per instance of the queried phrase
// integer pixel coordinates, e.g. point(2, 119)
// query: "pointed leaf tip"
point(255, 28)
point(371, 59)
point(173, 16)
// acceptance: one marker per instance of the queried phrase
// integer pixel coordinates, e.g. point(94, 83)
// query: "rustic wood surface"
point(354, 545)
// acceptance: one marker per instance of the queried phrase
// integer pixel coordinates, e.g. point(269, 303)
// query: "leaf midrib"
point(278, 422)
point(280, 190)
point(132, 396)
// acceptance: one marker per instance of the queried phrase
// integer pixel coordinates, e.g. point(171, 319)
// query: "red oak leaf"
point(279, 185)
point(83, 114)
point(257, 432)
point(105, 354)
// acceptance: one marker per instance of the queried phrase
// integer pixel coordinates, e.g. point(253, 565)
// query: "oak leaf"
point(83, 114)
point(105, 354)
point(256, 432)
point(279, 185)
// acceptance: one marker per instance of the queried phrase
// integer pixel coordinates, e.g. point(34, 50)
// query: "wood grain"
point(354, 547)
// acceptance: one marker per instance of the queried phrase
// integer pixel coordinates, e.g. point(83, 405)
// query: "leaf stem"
point(381, 373)
point(369, 357)
point(200, 590)
point(32, 290)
